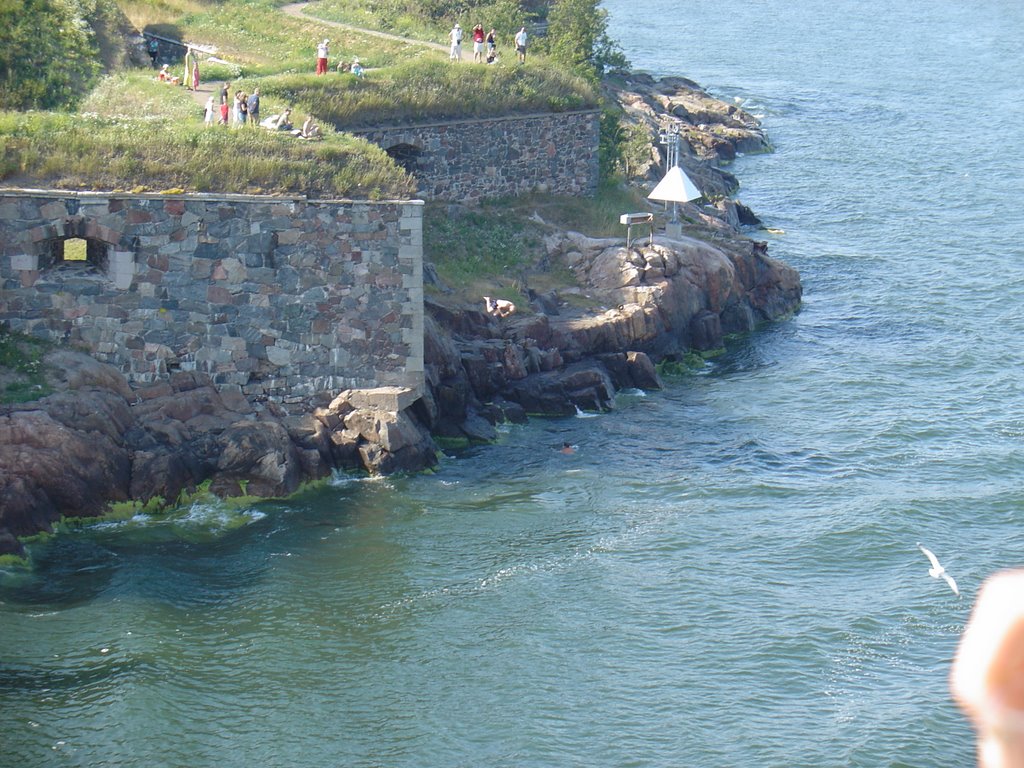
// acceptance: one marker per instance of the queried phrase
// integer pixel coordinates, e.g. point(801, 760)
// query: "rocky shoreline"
point(97, 440)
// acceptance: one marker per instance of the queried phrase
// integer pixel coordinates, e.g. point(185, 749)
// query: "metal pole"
point(670, 138)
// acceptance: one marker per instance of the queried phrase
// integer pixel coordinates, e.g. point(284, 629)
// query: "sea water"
point(724, 573)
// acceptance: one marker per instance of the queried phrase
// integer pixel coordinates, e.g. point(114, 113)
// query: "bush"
point(50, 51)
point(578, 38)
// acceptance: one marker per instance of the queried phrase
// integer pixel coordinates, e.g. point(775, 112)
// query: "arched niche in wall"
point(406, 155)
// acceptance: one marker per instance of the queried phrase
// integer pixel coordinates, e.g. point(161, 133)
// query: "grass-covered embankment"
point(258, 38)
point(432, 90)
point(83, 152)
point(432, 19)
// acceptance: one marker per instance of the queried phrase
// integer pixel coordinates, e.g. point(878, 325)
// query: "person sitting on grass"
point(309, 130)
point(281, 122)
point(357, 68)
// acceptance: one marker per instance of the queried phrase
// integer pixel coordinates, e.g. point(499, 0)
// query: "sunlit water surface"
point(723, 574)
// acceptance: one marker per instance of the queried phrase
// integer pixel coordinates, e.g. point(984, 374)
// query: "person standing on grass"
point(195, 72)
point(224, 103)
point(521, 45)
point(254, 107)
point(236, 112)
point(208, 114)
point(492, 43)
point(478, 43)
point(187, 79)
point(321, 57)
point(455, 54)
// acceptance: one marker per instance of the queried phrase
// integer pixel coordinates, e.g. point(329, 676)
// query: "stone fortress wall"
point(280, 297)
point(277, 296)
point(472, 160)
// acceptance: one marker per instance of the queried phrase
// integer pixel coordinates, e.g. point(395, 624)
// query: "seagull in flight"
point(937, 571)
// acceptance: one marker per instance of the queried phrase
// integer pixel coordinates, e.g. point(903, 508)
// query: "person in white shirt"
point(321, 57)
point(455, 54)
point(521, 45)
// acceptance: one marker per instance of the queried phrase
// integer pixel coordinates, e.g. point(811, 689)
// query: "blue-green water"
point(724, 574)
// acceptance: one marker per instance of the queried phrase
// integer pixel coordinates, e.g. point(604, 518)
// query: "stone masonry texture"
point(280, 297)
point(472, 160)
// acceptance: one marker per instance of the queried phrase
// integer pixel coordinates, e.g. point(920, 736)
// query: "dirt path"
point(206, 90)
point(297, 10)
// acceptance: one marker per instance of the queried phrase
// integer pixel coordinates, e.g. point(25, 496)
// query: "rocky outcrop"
point(651, 302)
point(713, 132)
point(96, 441)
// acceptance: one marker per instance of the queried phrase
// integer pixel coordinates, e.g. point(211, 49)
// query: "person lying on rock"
point(498, 307)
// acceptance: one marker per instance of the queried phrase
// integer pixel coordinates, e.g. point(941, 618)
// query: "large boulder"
point(257, 458)
point(379, 430)
point(48, 470)
point(581, 386)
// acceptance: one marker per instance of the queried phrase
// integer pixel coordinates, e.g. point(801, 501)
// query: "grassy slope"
point(429, 89)
point(79, 152)
point(265, 47)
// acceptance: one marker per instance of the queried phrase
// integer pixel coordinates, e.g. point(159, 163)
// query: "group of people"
point(283, 122)
point(191, 78)
point(485, 46)
point(322, 55)
point(242, 109)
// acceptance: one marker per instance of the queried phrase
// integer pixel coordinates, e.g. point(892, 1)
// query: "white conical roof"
point(676, 187)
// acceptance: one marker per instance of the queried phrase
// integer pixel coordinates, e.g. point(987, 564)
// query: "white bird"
point(937, 571)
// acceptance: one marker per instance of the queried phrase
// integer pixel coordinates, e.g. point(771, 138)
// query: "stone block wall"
point(472, 160)
point(278, 296)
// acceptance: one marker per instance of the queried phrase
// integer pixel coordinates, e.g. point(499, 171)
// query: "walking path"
point(297, 10)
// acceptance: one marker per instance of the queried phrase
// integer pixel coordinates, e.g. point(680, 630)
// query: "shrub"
point(49, 53)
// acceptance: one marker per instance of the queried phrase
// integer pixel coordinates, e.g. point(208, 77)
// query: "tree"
point(578, 37)
point(48, 52)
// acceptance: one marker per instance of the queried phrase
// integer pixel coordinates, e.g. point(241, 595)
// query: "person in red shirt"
point(478, 43)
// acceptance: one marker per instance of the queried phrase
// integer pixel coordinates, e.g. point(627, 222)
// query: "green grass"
point(594, 217)
point(498, 248)
point(375, 15)
point(22, 372)
point(485, 247)
point(426, 20)
point(424, 90)
point(257, 37)
point(138, 94)
point(137, 134)
point(83, 152)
